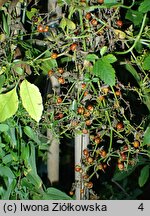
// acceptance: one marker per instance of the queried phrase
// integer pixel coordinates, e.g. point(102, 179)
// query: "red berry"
point(77, 168)
point(119, 23)
point(40, 28)
point(88, 16)
point(73, 47)
point(86, 152)
point(119, 126)
point(59, 100)
point(90, 185)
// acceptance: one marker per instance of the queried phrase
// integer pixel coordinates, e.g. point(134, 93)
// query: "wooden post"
point(53, 152)
point(81, 143)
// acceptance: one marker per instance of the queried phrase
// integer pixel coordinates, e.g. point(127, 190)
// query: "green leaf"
point(104, 70)
point(144, 6)
point(5, 24)
point(134, 73)
point(146, 139)
point(31, 99)
point(34, 179)
point(55, 194)
point(31, 134)
point(146, 98)
point(7, 159)
point(134, 16)
point(110, 58)
point(146, 63)
point(91, 57)
point(19, 70)
point(31, 13)
point(71, 25)
point(119, 176)
point(9, 104)
point(103, 50)
point(2, 80)
point(48, 65)
point(4, 127)
point(6, 172)
point(144, 175)
point(63, 23)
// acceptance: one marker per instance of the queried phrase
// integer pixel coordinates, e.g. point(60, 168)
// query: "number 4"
point(141, 207)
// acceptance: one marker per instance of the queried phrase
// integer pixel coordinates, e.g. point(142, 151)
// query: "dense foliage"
point(98, 52)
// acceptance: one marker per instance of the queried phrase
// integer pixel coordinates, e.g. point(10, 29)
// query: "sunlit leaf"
point(31, 99)
point(8, 104)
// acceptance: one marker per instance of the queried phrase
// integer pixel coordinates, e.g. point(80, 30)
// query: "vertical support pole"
point(53, 158)
point(81, 143)
point(53, 152)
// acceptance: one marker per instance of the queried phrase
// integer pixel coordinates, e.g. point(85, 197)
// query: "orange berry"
point(61, 80)
point(60, 70)
point(80, 110)
point(90, 185)
point(54, 55)
point(88, 122)
point(90, 160)
point(94, 22)
point(85, 152)
point(77, 168)
point(97, 140)
point(59, 100)
point(90, 108)
point(50, 72)
point(86, 93)
point(83, 85)
point(118, 93)
point(136, 144)
point(71, 193)
point(88, 16)
point(73, 47)
point(46, 29)
point(120, 166)
point(103, 153)
point(40, 28)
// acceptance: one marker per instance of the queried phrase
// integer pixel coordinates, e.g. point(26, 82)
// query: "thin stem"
point(137, 38)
